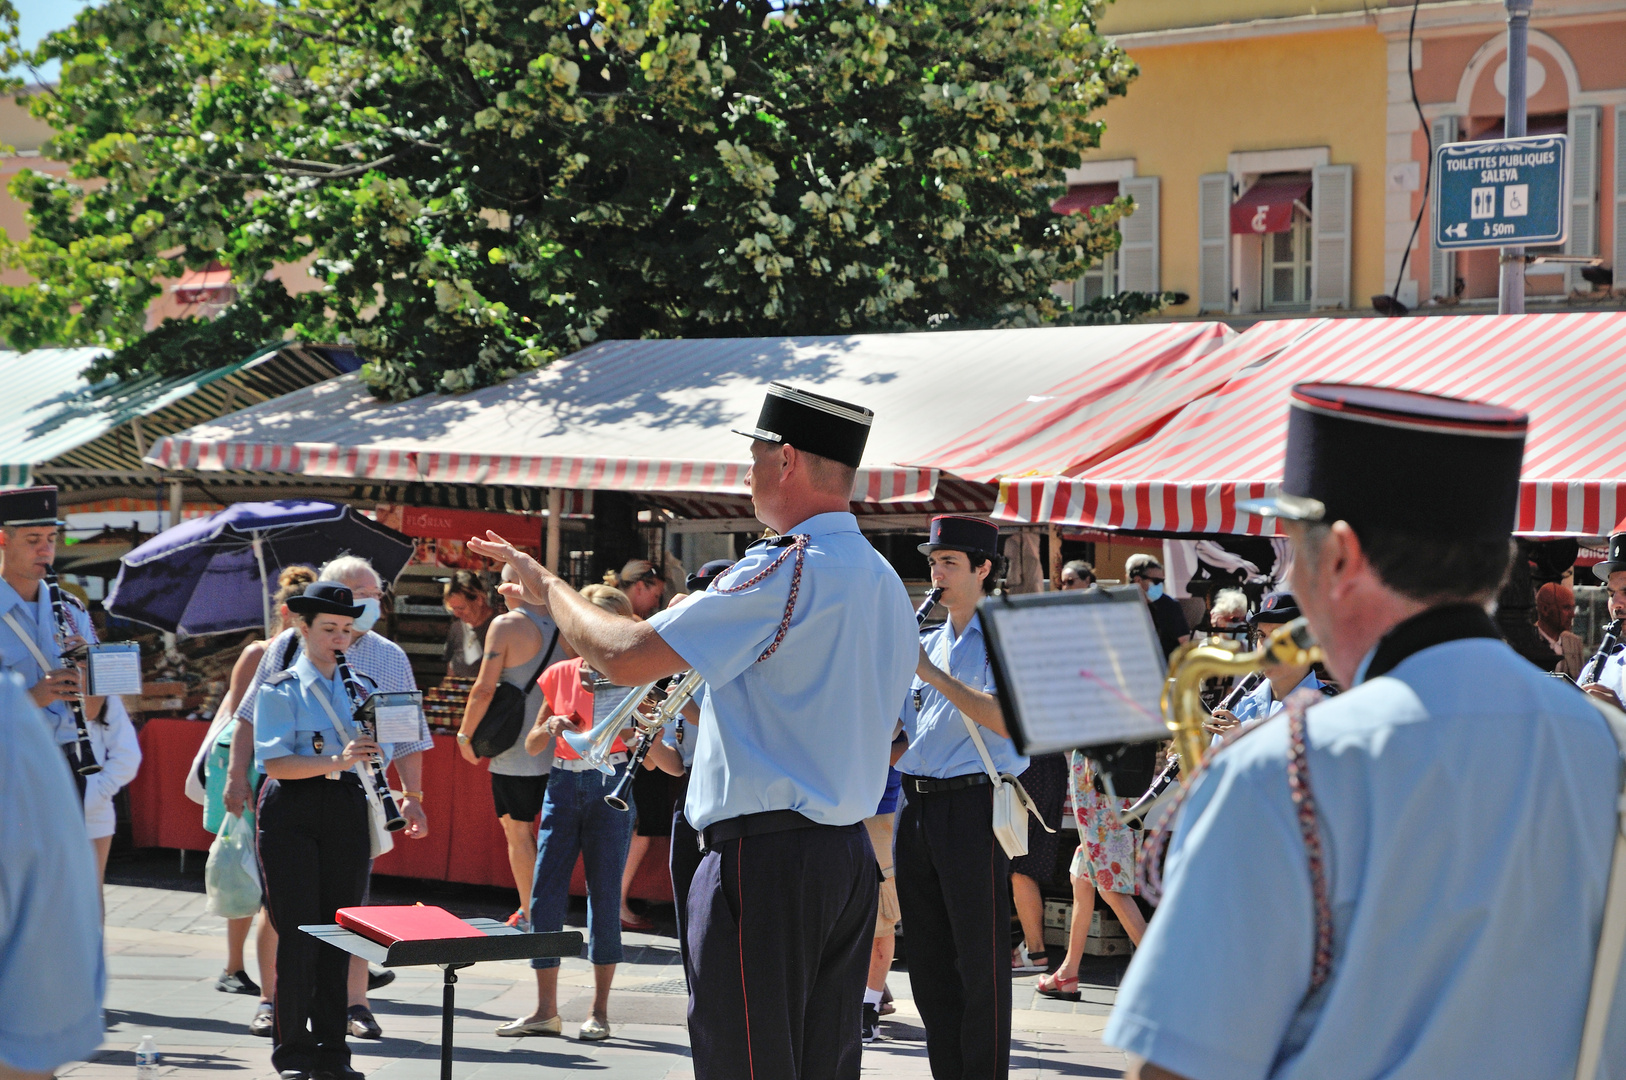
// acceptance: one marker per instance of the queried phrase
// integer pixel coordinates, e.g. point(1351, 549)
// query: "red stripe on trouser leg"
point(739, 923)
point(994, 877)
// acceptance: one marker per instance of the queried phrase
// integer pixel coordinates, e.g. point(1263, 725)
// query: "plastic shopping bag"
point(232, 875)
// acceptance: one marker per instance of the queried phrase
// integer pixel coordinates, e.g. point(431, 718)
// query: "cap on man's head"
point(1275, 608)
point(957, 532)
point(1617, 554)
point(702, 578)
point(813, 424)
point(325, 598)
point(1416, 464)
point(28, 506)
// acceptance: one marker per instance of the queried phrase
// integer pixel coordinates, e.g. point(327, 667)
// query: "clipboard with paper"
point(1076, 669)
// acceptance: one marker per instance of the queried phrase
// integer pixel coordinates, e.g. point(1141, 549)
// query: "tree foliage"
point(477, 186)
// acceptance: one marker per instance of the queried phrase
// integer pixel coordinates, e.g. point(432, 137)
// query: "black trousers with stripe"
point(313, 846)
point(779, 933)
point(954, 891)
point(684, 861)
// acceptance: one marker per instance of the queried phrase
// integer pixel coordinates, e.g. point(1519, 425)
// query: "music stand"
point(501, 942)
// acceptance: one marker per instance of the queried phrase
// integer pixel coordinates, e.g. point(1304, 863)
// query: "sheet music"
point(398, 723)
point(1083, 674)
point(114, 669)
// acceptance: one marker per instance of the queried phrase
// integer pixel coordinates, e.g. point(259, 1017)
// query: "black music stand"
point(501, 942)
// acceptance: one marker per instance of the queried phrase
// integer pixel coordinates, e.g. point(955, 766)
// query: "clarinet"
point(393, 821)
point(86, 764)
point(926, 606)
point(1611, 640)
point(1240, 691)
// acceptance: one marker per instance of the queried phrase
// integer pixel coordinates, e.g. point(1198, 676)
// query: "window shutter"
point(1442, 265)
point(1137, 254)
point(1619, 252)
point(1330, 236)
point(1583, 239)
point(1214, 242)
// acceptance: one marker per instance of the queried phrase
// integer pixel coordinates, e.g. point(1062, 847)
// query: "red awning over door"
point(1082, 197)
point(1267, 207)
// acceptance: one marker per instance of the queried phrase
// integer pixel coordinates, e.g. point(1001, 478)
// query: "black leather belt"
point(769, 821)
point(926, 785)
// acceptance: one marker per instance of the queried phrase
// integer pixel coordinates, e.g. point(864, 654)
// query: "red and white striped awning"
point(1568, 371)
point(656, 416)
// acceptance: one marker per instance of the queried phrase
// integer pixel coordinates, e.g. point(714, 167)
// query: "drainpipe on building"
point(1510, 298)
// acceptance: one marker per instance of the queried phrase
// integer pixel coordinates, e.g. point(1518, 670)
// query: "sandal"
point(1026, 963)
point(1057, 986)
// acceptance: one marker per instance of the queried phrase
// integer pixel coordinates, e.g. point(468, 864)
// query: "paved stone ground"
point(164, 952)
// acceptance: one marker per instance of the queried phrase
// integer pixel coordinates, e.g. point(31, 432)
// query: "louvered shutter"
point(1330, 235)
point(1137, 254)
point(1619, 252)
point(1442, 265)
point(1214, 239)
point(1583, 239)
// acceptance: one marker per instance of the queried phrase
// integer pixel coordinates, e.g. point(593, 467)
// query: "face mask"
point(369, 615)
point(1154, 591)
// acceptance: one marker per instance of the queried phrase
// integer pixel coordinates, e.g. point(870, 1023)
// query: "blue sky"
point(36, 18)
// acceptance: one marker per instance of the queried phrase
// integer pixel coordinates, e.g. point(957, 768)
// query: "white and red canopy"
point(656, 416)
point(1568, 371)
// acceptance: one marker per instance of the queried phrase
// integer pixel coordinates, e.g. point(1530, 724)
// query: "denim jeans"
point(576, 819)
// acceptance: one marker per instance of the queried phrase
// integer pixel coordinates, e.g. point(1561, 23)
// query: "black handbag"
point(500, 727)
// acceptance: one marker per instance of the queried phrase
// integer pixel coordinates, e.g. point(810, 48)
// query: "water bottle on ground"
point(147, 1059)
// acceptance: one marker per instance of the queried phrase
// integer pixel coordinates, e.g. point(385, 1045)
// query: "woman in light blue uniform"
point(313, 832)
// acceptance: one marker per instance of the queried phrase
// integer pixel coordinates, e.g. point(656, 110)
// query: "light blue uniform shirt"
point(1262, 702)
point(289, 717)
point(1467, 809)
point(685, 748)
point(939, 745)
point(52, 975)
point(807, 729)
point(1613, 674)
point(14, 655)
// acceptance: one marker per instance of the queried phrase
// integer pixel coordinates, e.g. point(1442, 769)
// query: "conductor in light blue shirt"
point(1406, 881)
point(953, 876)
point(807, 645)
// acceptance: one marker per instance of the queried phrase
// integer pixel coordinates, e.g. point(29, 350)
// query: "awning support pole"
point(556, 506)
point(265, 592)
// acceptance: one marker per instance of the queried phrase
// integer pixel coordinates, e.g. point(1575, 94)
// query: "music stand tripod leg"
point(447, 1000)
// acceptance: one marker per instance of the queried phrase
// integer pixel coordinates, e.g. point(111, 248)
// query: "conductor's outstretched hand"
point(532, 584)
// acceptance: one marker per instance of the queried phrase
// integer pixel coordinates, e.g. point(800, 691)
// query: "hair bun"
point(296, 576)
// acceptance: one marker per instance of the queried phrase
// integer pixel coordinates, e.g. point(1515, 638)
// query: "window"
point(1100, 280)
point(1286, 264)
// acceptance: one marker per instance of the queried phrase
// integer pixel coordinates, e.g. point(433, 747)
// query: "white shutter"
point(1442, 265)
point(1137, 254)
point(1330, 235)
point(1583, 239)
point(1619, 252)
point(1214, 242)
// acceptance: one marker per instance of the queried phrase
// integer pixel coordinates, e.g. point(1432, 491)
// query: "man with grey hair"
point(387, 665)
point(1229, 612)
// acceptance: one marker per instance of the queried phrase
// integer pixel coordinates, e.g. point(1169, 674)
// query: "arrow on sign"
point(1459, 230)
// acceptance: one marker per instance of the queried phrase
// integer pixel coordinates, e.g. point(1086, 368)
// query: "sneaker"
point(362, 1024)
point(264, 1020)
point(872, 1023)
point(519, 922)
point(378, 978)
point(1023, 964)
point(236, 982)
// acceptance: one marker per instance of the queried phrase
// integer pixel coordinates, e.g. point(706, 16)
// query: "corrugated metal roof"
point(58, 428)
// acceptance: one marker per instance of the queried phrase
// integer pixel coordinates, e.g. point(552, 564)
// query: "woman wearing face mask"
point(386, 663)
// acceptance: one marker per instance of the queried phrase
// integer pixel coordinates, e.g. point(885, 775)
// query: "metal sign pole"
point(1510, 298)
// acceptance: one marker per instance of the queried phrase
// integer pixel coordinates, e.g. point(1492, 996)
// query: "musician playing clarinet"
point(30, 630)
point(1605, 674)
point(314, 830)
point(807, 646)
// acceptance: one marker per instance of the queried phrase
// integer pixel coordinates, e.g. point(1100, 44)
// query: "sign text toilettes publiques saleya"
point(1502, 193)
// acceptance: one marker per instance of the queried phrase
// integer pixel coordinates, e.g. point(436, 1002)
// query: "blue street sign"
point(1502, 193)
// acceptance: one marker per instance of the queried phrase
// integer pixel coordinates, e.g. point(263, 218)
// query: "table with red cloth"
point(465, 841)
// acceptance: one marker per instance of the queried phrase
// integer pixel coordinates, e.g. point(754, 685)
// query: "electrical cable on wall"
point(1395, 307)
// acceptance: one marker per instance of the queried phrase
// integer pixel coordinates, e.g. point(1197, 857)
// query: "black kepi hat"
point(325, 598)
point(813, 424)
point(1617, 554)
point(1415, 464)
point(1276, 607)
point(957, 532)
point(703, 577)
point(28, 506)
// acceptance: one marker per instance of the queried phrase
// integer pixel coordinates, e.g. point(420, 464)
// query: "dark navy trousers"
point(954, 891)
point(684, 862)
point(779, 933)
point(314, 858)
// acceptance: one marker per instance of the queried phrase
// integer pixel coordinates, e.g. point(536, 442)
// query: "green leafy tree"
point(479, 186)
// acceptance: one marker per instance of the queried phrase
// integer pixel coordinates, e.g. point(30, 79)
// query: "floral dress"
point(1106, 848)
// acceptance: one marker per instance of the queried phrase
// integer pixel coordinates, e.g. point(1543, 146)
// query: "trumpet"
point(595, 746)
point(649, 729)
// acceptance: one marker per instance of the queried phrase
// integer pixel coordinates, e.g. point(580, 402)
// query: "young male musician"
point(29, 629)
point(953, 876)
point(1345, 880)
point(1610, 682)
point(806, 646)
